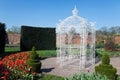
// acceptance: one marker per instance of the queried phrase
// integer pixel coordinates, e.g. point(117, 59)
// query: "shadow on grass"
point(47, 69)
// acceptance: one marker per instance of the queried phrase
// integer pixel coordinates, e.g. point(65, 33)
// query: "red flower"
point(27, 71)
point(17, 63)
point(3, 77)
point(31, 67)
point(14, 61)
point(6, 73)
point(34, 73)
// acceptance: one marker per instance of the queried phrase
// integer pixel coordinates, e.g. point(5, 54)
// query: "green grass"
point(53, 53)
point(51, 77)
point(110, 53)
point(47, 53)
point(42, 53)
point(118, 77)
point(9, 49)
point(113, 53)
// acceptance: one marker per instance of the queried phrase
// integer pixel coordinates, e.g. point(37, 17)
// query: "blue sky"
point(47, 13)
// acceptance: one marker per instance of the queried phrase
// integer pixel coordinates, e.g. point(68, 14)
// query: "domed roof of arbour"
point(73, 21)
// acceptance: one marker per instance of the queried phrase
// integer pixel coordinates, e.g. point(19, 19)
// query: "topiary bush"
point(34, 54)
point(105, 68)
point(34, 62)
point(36, 65)
point(106, 59)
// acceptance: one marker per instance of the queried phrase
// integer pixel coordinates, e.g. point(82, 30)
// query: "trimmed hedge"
point(2, 38)
point(36, 66)
point(34, 61)
point(105, 59)
point(105, 68)
point(41, 38)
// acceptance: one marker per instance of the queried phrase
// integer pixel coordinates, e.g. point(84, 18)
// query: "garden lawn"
point(47, 53)
point(110, 53)
point(51, 77)
point(13, 49)
point(113, 53)
point(53, 53)
point(42, 53)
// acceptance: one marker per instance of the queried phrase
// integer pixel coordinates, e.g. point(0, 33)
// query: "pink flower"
point(3, 77)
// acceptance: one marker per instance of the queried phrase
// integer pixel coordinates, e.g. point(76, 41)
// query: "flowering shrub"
point(13, 67)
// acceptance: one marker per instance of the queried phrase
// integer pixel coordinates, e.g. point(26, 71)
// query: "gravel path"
point(50, 66)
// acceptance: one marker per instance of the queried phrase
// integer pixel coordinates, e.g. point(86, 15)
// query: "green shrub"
point(105, 59)
point(117, 46)
point(89, 76)
point(105, 68)
point(99, 45)
point(36, 65)
point(34, 62)
point(33, 54)
point(98, 53)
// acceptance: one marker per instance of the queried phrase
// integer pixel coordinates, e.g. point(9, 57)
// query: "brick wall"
point(13, 38)
point(117, 39)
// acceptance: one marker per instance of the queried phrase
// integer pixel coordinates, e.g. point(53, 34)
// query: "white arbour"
point(76, 41)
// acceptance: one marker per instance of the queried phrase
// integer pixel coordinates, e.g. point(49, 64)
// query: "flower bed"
point(13, 67)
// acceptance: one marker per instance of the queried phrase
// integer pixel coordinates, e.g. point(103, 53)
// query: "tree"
point(115, 30)
point(14, 29)
point(102, 34)
point(107, 34)
point(9, 31)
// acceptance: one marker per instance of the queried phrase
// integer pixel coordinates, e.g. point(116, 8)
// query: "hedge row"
point(2, 38)
point(41, 38)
